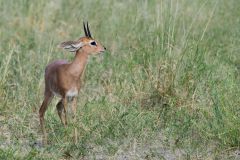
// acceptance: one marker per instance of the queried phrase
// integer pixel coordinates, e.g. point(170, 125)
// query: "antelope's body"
point(63, 78)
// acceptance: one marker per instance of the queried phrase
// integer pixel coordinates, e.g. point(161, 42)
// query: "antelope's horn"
point(89, 33)
point(85, 30)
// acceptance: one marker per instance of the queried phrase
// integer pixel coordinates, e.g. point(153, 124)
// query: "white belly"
point(56, 94)
point(72, 92)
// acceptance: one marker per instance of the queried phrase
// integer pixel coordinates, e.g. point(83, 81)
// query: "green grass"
point(168, 86)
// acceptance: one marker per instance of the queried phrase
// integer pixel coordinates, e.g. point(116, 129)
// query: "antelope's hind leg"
point(47, 99)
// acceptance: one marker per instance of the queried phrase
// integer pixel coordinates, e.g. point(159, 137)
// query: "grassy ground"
point(167, 88)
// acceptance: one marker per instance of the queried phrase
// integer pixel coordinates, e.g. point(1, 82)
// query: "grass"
point(167, 88)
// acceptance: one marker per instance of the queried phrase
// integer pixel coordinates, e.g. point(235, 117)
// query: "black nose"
point(104, 47)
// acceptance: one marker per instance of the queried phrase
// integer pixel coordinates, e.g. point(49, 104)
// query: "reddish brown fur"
point(63, 78)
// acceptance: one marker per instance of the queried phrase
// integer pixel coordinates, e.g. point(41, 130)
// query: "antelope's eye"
point(93, 43)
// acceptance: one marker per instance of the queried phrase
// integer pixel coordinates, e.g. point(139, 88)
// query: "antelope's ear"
point(71, 46)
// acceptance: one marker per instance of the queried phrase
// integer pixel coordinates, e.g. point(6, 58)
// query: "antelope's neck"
point(78, 64)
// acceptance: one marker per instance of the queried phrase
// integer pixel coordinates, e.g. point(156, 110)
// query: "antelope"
point(62, 78)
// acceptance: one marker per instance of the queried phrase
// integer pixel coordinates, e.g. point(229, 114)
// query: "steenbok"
point(62, 78)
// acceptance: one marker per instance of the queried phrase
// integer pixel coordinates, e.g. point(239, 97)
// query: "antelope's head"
point(86, 44)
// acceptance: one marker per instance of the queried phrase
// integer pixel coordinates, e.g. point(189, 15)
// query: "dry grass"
point(167, 88)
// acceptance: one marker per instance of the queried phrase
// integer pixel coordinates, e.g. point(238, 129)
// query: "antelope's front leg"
point(65, 102)
point(60, 110)
point(74, 110)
